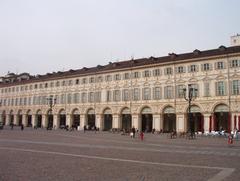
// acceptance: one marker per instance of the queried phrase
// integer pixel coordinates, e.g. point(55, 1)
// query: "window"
point(52, 84)
point(157, 93)
point(219, 65)
point(236, 87)
point(180, 69)
point(136, 94)
point(99, 79)
point(117, 77)
point(77, 81)
point(98, 96)
point(84, 81)
point(57, 84)
point(109, 96)
point(76, 98)
point(136, 75)
point(35, 86)
point(193, 68)
point(70, 83)
point(108, 78)
point(126, 76)
point(29, 101)
point(146, 73)
point(146, 93)
point(91, 80)
point(91, 97)
point(84, 97)
point(235, 63)
point(125, 95)
point(156, 72)
point(26, 88)
point(206, 66)
point(195, 92)
point(180, 92)
point(168, 71)
point(46, 85)
point(25, 101)
point(69, 98)
point(206, 89)
point(220, 88)
point(168, 92)
point(63, 83)
point(116, 95)
point(63, 99)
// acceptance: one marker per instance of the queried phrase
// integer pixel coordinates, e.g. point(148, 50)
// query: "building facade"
point(143, 93)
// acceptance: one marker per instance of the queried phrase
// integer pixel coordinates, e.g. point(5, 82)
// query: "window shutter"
point(184, 69)
point(216, 90)
point(165, 71)
point(210, 66)
point(189, 68)
point(215, 65)
point(197, 68)
point(202, 67)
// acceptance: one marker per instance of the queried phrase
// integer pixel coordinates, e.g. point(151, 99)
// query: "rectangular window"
point(84, 81)
point(235, 63)
point(136, 75)
point(125, 95)
point(146, 93)
point(156, 72)
point(84, 97)
point(99, 79)
point(70, 83)
point(108, 78)
point(206, 89)
point(77, 81)
point(206, 67)
point(180, 91)
point(109, 96)
point(146, 73)
point(69, 98)
point(117, 77)
point(91, 80)
point(76, 98)
point(136, 94)
point(168, 71)
point(193, 68)
point(57, 84)
point(157, 93)
point(29, 101)
point(195, 90)
point(220, 65)
point(126, 76)
point(98, 96)
point(91, 97)
point(236, 87)
point(180, 69)
point(116, 95)
point(168, 92)
point(52, 84)
point(63, 99)
point(220, 88)
point(63, 83)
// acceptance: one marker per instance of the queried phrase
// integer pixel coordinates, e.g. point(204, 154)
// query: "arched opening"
point(76, 118)
point(195, 119)
point(169, 119)
point(29, 119)
point(39, 119)
point(147, 119)
point(50, 119)
point(11, 117)
point(126, 120)
point(91, 119)
point(19, 118)
point(4, 117)
point(222, 118)
point(107, 119)
point(62, 119)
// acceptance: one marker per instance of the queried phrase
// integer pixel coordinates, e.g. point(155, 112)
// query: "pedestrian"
point(84, 128)
point(12, 126)
point(141, 135)
point(134, 132)
point(22, 127)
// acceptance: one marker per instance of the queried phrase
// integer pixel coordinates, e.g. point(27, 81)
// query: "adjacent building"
point(148, 94)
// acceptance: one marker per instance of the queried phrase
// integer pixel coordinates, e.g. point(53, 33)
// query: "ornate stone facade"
point(145, 93)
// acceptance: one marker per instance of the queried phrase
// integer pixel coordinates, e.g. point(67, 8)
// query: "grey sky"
point(40, 36)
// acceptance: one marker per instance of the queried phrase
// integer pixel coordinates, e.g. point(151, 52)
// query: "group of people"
point(133, 133)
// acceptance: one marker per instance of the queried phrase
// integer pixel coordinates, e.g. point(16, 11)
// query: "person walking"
point(22, 127)
point(141, 135)
point(84, 128)
point(134, 132)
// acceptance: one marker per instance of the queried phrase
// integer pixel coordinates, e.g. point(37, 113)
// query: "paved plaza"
point(64, 155)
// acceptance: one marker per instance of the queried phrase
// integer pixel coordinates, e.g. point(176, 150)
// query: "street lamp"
point(190, 94)
point(51, 102)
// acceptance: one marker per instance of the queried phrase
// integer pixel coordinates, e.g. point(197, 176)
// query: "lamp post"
point(51, 102)
point(190, 94)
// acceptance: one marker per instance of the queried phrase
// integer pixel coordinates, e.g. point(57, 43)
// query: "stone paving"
point(63, 155)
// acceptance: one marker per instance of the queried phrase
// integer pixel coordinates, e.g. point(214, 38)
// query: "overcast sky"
point(40, 36)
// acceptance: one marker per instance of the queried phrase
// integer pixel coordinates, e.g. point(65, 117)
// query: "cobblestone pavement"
point(63, 155)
